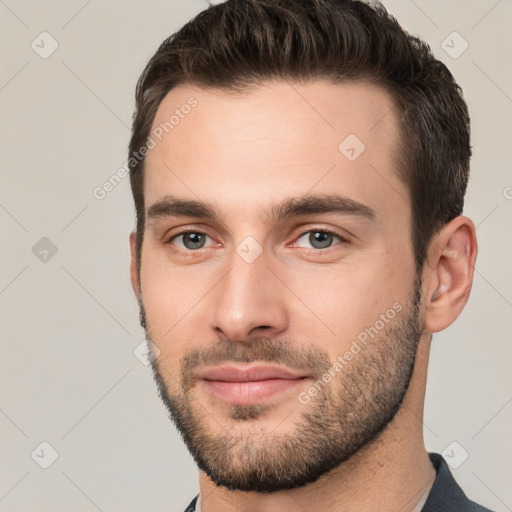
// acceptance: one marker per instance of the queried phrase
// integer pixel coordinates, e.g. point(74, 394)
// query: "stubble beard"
point(238, 452)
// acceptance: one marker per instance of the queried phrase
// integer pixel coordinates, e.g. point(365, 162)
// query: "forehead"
point(278, 139)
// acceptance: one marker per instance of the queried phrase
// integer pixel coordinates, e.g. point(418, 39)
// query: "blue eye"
point(320, 239)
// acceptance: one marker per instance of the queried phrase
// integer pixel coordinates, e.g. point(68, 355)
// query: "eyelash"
point(309, 249)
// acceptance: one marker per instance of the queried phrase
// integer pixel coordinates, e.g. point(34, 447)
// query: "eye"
point(189, 240)
point(319, 239)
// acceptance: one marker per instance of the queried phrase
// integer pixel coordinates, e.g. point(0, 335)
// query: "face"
point(277, 277)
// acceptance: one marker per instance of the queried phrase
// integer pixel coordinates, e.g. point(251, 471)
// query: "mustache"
point(310, 360)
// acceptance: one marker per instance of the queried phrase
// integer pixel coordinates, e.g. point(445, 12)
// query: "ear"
point(134, 270)
point(448, 273)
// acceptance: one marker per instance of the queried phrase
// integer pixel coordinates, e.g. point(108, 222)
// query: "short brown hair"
point(241, 43)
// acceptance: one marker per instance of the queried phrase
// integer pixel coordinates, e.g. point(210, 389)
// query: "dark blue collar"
point(446, 494)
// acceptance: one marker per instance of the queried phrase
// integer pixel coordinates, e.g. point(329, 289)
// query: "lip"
point(249, 384)
point(248, 373)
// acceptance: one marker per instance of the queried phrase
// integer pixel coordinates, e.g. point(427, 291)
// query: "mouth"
point(250, 384)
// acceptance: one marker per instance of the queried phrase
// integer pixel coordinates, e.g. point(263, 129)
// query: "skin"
point(241, 154)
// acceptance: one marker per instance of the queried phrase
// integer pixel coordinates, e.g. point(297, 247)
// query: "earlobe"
point(448, 276)
point(134, 270)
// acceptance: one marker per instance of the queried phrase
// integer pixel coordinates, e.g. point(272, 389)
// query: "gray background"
point(68, 373)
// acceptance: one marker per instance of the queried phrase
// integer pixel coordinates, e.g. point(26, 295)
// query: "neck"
point(391, 474)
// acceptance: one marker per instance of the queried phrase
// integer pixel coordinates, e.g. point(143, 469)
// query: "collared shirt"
point(445, 495)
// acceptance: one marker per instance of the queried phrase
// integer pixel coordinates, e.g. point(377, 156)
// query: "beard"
point(348, 414)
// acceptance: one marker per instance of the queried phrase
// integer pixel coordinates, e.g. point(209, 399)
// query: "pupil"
point(193, 240)
point(320, 240)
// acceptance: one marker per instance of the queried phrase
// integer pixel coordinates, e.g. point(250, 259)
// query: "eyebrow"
point(172, 206)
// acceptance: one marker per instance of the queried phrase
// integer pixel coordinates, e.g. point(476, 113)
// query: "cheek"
point(340, 300)
point(171, 297)
point(338, 303)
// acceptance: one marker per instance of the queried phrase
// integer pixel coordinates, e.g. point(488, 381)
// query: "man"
point(298, 169)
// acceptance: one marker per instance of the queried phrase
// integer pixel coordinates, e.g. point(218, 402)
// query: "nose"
point(249, 301)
